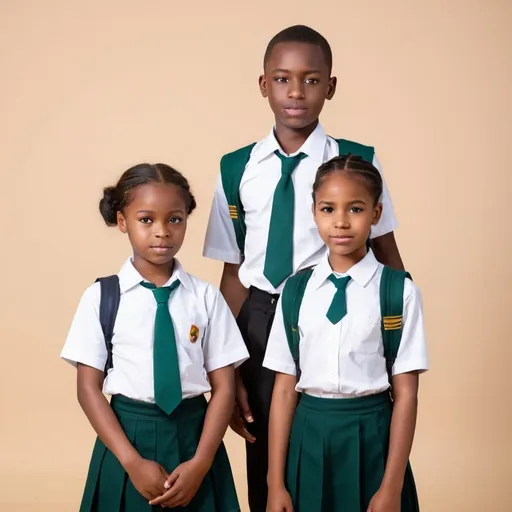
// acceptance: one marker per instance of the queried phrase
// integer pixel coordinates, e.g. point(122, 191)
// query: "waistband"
point(359, 405)
point(124, 405)
point(262, 296)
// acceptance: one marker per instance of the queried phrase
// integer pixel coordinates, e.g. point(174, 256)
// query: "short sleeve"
point(387, 222)
point(85, 342)
point(223, 344)
point(220, 240)
point(412, 354)
point(278, 356)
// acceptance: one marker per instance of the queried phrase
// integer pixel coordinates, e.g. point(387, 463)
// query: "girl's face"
point(344, 212)
point(155, 221)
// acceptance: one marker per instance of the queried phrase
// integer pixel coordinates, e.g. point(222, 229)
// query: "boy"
point(261, 225)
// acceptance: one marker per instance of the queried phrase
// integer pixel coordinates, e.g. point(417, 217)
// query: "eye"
point(327, 209)
point(145, 220)
point(175, 220)
point(280, 79)
point(355, 209)
point(311, 81)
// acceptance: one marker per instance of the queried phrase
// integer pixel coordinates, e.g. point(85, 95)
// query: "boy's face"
point(297, 82)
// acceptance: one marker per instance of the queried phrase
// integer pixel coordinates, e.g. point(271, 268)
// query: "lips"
point(161, 249)
point(341, 239)
point(295, 110)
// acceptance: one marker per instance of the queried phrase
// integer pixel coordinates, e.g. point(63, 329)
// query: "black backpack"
point(109, 304)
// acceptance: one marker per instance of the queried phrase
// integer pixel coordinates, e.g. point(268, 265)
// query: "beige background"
point(90, 88)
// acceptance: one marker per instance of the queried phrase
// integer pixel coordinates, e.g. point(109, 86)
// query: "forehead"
point(343, 186)
point(296, 56)
point(157, 196)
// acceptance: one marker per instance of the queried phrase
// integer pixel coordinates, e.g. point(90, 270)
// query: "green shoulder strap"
point(391, 308)
point(347, 146)
point(291, 300)
point(232, 167)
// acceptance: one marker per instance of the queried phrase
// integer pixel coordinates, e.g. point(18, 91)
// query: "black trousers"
point(255, 320)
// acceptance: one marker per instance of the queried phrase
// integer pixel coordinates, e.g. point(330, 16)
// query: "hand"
point(182, 484)
point(279, 500)
point(242, 413)
point(148, 477)
point(385, 501)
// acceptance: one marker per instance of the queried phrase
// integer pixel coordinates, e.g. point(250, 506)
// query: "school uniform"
point(206, 339)
point(340, 433)
point(258, 184)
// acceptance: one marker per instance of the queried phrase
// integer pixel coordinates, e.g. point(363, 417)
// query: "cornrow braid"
point(115, 199)
point(354, 165)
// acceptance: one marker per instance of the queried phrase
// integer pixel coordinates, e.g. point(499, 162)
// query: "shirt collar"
point(361, 272)
point(129, 276)
point(313, 147)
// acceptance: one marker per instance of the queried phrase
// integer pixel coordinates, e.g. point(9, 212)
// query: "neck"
point(342, 263)
point(291, 139)
point(156, 274)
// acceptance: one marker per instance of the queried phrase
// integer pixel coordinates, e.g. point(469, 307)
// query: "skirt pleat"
point(168, 440)
point(337, 454)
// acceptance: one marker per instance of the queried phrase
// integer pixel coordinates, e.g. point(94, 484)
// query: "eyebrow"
point(179, 210)
point(331, 203)
point(308, 72)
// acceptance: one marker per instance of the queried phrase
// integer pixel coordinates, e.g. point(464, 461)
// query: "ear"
point(313, 210)
point(263, 85)
point(377, 214)
point(121, 222)
point(333, 81)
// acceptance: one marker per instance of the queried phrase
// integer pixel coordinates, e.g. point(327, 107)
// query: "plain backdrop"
point(88, 89)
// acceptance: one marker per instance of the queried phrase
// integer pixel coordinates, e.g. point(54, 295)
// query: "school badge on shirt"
point(193, 335)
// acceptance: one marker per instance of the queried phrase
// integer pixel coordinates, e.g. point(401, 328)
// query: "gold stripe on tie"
point(392, 323)
point(233, 212)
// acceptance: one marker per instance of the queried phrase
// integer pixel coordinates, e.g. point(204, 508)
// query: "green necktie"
point(338, 307)
point(279, 255)
point(167, 381)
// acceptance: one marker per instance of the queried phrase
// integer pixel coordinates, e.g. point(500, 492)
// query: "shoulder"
point(203, 290)
point(412, 292)
point(240, 153)
point(345, 146)
point(92, 294)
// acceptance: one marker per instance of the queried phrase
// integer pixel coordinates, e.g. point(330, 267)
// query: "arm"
point(386, 251)
point(148, 477)
point(235, 294)
point(186, 479)
point(232, 289)
point(282, 410)
point(102, 417)
point(403, 424)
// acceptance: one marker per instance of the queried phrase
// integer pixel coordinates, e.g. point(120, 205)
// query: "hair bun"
point(109, 206)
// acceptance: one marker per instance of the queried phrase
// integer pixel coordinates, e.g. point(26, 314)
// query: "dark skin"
point(344, 212)
point(155, 221)
point(296, 81)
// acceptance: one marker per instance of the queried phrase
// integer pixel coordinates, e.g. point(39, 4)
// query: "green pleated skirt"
point(168, 440)
point(337, 454)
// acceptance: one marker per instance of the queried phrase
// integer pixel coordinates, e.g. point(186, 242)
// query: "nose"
point(162, 230)
point(342, 221)
point(296, 89)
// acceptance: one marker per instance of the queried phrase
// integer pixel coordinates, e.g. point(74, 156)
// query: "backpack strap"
point(291, 300)
point(232, 167)
point(354, 148)
point(109, 304)
point(391, 307)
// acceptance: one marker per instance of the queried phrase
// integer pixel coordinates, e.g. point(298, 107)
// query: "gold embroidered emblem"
point(193, 335)
point(392, 323)
point(233, 213)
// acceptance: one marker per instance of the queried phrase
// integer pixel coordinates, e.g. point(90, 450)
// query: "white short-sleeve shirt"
point(262, 173)
point(193, 303)
point(347, 359)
